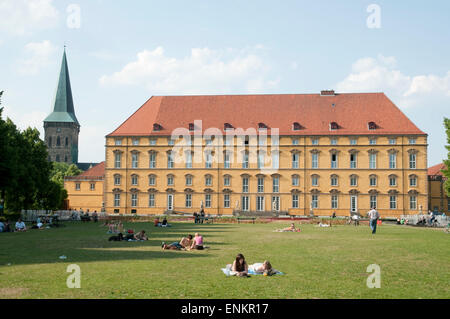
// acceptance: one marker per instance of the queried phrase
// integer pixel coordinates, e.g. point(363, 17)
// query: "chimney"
point(327, 93)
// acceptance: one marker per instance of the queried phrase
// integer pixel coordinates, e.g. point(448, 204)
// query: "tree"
point(446, 171)
point(61, 170)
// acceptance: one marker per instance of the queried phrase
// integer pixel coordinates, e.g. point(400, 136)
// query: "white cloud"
point(203, 71)
point(39, 56)
point(23, 17)
point(381, 75)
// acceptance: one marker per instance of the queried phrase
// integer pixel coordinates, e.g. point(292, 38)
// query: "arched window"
point(58, 141)
point(67, 141)
point(57, 158)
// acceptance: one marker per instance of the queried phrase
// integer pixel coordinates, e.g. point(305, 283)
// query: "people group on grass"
point(186, 243)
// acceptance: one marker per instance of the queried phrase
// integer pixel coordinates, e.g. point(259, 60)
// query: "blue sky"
point(120, 53)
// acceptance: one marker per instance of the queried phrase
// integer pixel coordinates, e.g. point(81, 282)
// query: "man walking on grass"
point(373, 215)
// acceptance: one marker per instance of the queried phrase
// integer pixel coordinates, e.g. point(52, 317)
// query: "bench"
point(246, 218)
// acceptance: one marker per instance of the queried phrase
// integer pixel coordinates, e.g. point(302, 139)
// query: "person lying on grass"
point(197, 242)
point(289, 229)
point(184, 244)
point(240, 266)
point(141, 236)
point(264, 268)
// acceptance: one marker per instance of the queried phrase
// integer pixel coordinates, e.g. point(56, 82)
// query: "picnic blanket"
point(251, 270)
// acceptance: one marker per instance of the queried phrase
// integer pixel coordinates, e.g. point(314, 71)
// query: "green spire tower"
point(61, 126)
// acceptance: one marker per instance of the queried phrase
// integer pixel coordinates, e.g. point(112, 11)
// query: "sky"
point(120, 53)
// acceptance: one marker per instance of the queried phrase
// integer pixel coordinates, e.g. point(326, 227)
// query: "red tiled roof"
point(314, 112)
point(96, 172)
point(436, 169)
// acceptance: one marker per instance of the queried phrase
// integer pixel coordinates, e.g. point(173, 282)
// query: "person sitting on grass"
point(141, 235)
point(240, 266)
point(164, 223)
point(156, 222)
point(130, 234)
point(184, 244)
point(20, 226)
point(197, 242)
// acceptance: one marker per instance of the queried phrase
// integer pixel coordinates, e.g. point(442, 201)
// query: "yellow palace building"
point(289, 154)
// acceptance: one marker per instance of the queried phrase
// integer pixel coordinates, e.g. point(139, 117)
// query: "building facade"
point(85, 191)
point(293, 154)
point(438, 198)
point(61, 126)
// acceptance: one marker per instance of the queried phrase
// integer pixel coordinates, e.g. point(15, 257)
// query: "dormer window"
point(372, 125)
point(296, 126)
point(334, 126)
point(227, 126)
point(191, 126)
point(262, 126)
point(157, 127)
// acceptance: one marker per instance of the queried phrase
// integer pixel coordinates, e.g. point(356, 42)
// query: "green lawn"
point(318, 262)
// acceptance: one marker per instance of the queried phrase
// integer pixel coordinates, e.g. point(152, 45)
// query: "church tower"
point(61, 126)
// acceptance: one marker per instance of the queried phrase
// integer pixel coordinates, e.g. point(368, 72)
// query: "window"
point(245, 160)
point(392, 181)
point(245, 203)
point(262, 140)
point(392, 141)
point(134, 160)
point(117, 180)
point(296, 126)
point(77, 186)
point(188, 159)
point(260, 203)
point(152, 180)
point(171, 141)
point(208, 180)
point(116, 200)
point(153, 141)
point(372, 126)
point(295, 158)
point(207, 200)
point(372, 141)
point(260, 184)
point(353, 203)
point(353, 160)
point(152, 160)
point(334, 126)
point(226, 160)
point(134, 180)
point(373, 181)
point(117, 160)
point(412, 202)
point(208, 162)
point(67, 141)
point(334, 180)
point(134, 200)
point(92, 186)
point(353, 180)
point(261, 160)
point(372, 161)
point(412, 181)
point(353, 141)
point(334, 201)
point(191, 126)
point(314, 180)
point(334, 161)
point(169, 160)
point(226, 200)
point(208, 141)
point(188, 202)
point(50, 141)
point(412, 161)
point(189, 180)
point(135, 141)
point(275, 185)
point(314, 160)
point(58, 158)
point(65, 158)
point(151, 200)
point(412, 141)
point(58, 141)
point(294, 201)
point(275, 160)
point(373, 201)
point(295, 180)
point(170, 180)
point(315, 141)
point(393, 202)
point(118, 142)
point(333, 141)
point(392, 161)
point(295, 141)
point(245, 185)
point(226, 181)
point(315, 201)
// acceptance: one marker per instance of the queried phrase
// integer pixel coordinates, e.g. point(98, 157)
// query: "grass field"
point(318, 262)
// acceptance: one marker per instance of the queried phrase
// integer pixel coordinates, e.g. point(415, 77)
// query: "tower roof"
point(63, 109)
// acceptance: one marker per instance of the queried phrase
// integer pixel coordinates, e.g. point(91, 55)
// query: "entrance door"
point(169, 201)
